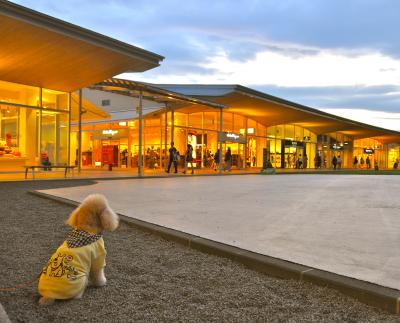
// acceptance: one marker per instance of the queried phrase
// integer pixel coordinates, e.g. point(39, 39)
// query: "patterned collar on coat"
point(79, 238)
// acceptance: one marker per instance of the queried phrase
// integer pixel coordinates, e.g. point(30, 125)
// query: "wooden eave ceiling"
point(271, 113)
point(32, 54)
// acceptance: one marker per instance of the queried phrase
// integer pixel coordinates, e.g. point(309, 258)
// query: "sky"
point(339, 56)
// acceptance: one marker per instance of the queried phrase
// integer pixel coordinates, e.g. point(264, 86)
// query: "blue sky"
point(338, 56)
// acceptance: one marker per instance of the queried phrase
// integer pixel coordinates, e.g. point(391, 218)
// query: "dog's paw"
point(44, 301)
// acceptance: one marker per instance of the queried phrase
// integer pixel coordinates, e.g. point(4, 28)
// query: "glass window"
point(195, 120)
point(9, 128)
point(261, 130)
point(252, 126)
point(211, 120)
point(289, 132)
point(180, 119)
point(20, 94)
point(54, 137)
point(280, 133)
point(54, 99)
point(271, 131)
point(298, 133)
point(239, 124)
point(227, 121)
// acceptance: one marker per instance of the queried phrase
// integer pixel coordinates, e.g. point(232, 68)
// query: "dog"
point(80, 260)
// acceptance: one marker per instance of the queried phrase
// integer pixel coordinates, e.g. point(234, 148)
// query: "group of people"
point(175, 157)
point(337, 162)
point(359, 163)
point(297, 162)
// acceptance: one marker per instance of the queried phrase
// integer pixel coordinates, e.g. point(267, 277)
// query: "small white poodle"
point(81, 257)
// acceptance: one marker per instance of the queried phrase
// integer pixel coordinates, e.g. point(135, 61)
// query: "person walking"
point(368, 162)
point(305, 161)
point(334, 162)
point(361, 162)
point(216, 160)
point(339, 162)
point(228, 160)
point(188, 158)
point(355, 162)
point(173, 158)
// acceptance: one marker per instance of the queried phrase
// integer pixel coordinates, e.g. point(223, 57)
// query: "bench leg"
point(65, 173)
point(26, 173)
point(33, 173)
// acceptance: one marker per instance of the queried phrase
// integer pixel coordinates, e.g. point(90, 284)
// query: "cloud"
point(376, 98)
point(342, 53)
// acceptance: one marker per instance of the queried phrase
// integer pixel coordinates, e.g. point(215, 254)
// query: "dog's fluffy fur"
point(94, 215)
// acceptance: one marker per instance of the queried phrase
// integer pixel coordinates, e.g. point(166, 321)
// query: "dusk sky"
point(340, 56)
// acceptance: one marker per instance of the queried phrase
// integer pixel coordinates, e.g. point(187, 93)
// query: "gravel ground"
point(150, 279)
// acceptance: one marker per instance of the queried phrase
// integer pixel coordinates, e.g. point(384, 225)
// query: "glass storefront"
point(117, 143)
point(370, 152)
point(34, 125)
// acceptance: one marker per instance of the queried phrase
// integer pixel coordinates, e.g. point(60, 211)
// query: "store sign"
point(109, 132)
point(294, 143)
point(369, 151)
point(232, 137)
point(336, 147)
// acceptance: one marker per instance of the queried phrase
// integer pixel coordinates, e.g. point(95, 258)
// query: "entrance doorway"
point(110, 152)
point(237, 151)
point(294, 157)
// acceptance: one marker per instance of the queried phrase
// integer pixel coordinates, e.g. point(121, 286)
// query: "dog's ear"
point(73, 218)
point(109, 220)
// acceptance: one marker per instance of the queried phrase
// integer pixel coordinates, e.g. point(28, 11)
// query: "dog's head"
point(94, 215)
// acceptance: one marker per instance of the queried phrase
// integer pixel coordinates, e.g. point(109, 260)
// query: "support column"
point(246, 145)
point(166, 137)
point(140, 154)
point(202, 164)
point(40, 124)
point(172, 125)
point(69, 129)
point(78, 158)
point(220, 141)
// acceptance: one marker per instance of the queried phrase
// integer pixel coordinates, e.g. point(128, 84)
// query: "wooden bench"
point(49, 168)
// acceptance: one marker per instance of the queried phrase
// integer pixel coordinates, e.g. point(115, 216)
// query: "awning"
point(39, 50)
point(270, 111)
point(172, 100)
point(90, 112)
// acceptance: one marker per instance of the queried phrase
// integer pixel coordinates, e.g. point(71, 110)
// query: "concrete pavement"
point(349, 225)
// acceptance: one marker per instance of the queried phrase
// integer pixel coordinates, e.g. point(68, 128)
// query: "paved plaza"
point(344, 224)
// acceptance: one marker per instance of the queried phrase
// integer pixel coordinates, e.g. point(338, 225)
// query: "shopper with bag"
point(173, 158)
point(188, 158)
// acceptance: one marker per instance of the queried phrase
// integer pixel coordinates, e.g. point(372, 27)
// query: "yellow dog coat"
point(68, 269)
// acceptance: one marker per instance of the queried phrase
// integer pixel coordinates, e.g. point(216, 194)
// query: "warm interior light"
point(122, 123)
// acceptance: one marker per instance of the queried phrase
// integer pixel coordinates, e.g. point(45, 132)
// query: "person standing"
point(173, 158)
point(216, 160)
point(368, 162)
point(228, 160)
point(188, 158)
point(300, 162)
point(334, 162)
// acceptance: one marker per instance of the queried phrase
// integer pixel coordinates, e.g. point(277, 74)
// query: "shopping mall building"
point(58, 99)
